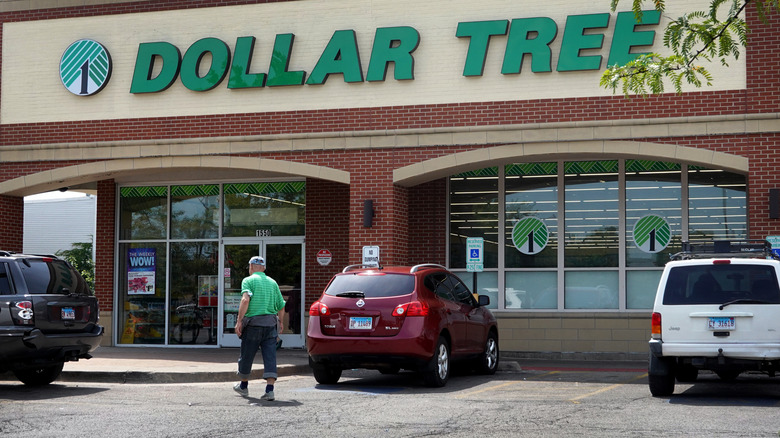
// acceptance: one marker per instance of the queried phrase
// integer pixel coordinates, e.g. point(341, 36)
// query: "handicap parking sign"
point(474, 246)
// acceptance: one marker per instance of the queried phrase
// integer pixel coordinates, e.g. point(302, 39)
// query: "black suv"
point(48, 316)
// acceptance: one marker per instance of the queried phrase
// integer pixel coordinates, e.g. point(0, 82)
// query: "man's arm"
point(280, 324)
point(242, 308)
point(280, 314)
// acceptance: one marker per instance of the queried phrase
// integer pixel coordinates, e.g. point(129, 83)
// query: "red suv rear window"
point(372, 286)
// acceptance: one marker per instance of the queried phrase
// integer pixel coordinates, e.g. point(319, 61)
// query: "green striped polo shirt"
point(266, 299)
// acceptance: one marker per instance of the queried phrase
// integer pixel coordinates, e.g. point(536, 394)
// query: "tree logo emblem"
point(530, 235)
point(85, 67)
point(652, 234)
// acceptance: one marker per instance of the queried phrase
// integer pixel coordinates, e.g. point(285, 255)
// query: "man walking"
point(259, 323)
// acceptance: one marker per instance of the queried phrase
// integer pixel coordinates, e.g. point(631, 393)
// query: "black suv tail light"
point(22, 313)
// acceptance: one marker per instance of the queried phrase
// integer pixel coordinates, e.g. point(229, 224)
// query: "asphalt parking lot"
point(527, 399)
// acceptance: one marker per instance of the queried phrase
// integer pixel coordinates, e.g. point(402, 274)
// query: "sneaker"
point(268, 396)
point(243, 391)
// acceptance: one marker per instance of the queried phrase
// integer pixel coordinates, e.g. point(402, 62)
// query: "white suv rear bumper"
point(758, 351)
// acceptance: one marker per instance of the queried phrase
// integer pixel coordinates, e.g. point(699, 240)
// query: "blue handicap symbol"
point(475, 253)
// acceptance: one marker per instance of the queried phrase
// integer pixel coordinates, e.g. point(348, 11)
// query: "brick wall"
point(104, 244)
point(12, 225)
point(428, 223)
point(327, 227)
point(763, 64)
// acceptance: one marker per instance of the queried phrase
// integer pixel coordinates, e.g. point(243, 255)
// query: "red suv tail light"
point(415, 308)
point(22, 313)
point(655, 329)
point(319, 309)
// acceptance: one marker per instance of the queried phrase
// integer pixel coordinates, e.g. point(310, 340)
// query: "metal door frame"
point(289, 339)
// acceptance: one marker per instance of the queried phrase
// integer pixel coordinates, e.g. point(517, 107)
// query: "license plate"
point(360, 323)
point(68, 313)
point(718, 323)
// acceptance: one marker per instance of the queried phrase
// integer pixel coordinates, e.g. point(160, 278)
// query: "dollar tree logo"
point(85, 67)
point(530, 235)
point(652, 233)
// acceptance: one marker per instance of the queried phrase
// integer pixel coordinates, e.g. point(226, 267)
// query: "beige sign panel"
point(32, 90)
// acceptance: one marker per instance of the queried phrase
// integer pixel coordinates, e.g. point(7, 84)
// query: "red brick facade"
point(410, 223)
point(12, 228)
point(105, 237)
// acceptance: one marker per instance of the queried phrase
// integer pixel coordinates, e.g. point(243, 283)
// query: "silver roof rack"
point(359, 266)
point(751, 248)
point(416, 268)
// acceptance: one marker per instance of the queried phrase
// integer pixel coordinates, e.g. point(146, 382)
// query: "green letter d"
point(143, 82)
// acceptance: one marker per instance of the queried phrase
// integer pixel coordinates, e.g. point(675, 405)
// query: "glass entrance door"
point(284, 260)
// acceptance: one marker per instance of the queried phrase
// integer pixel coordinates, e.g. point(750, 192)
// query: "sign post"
point(475, 248)
point(324, 257)
point(775, 242)
point(371, 255)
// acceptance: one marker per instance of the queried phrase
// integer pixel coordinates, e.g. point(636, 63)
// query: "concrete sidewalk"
point(175, 365)
point(189, 365)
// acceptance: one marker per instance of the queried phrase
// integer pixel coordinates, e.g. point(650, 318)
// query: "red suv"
point(417, 318)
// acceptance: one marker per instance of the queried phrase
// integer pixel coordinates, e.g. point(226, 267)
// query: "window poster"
point(141, 266)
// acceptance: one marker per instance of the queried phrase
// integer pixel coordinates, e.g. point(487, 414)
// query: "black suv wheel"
point(39, 376)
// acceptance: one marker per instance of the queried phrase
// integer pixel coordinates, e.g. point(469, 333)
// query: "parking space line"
point(608, 388)
point(501, 386)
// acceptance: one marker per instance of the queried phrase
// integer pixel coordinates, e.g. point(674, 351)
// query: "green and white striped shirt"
point(266, 298)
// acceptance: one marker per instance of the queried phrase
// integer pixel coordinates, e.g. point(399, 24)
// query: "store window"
point(591, 234)
point(474, 213)
point(168, 277)
point(265, 209)
point(143, 212)
point(483, 283)
point(653, 226)
point(193, 297)
point(195, 212)
point(587, 234)
point(591, 214)
point(531, 235)
point(717, 205)
point(142, 291)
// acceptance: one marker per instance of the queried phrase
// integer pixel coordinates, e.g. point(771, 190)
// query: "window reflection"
point(143, 212)
point(474, 213)
point(591, 213)
point(531, 191)
point(653, 188)
point(193, 297)
point(717, 205)
point(270, 209)
point(603, 200)
point(195, 212)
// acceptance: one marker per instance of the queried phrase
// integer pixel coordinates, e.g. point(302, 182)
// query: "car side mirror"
point(483, 300)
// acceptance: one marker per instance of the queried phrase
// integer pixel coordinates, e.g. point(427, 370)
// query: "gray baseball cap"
point(257, 260)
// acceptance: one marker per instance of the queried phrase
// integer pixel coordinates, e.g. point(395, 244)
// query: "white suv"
point(717, 308)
